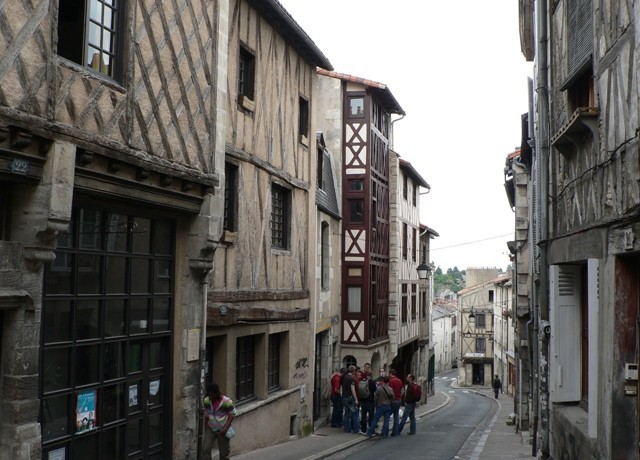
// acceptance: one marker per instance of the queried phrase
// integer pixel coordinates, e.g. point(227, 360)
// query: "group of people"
point(359, 401)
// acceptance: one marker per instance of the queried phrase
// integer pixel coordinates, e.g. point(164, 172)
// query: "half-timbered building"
point(364, 123)
point(260, 341)
point(585, 226)
point(405, 310)
point(110, 153)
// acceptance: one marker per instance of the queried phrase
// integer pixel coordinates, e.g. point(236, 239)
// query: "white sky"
point(457, 70)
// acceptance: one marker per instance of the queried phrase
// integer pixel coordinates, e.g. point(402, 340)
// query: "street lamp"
point(423, 271)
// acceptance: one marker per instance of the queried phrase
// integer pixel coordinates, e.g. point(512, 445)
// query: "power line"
point(471, 242)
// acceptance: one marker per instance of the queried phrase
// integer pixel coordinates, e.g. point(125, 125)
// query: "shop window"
point(91, 33)
point(273, 367)
point(245, 368)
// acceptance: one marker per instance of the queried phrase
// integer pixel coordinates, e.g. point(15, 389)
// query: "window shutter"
point(579, 35)
point(565, 359)
point(593, 291)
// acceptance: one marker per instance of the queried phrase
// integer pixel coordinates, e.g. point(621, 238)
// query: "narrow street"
point(441, 435)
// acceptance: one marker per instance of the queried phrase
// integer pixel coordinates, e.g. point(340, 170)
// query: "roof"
point(424, 228)
point(499, 280)
point(275, 14)
point(381, 90)
point(411, 172)
point(438, 312)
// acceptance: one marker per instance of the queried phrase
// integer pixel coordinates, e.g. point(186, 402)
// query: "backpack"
point(363, 389)
point(417, 392)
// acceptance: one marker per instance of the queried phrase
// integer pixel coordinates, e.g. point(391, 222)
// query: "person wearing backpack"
point(383, 397)
point(412, 395)
point(366, 389)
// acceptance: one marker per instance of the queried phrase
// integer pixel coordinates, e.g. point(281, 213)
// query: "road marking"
point(483, 439)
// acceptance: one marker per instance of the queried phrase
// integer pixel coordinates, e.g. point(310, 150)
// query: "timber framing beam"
point(227, 315)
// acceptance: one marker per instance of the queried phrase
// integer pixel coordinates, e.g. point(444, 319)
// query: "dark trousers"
point(395, 410)
point(366, 414)
point(336, 413)
point(409, 413)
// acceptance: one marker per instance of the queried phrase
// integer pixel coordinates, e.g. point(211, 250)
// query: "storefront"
point(107, 327)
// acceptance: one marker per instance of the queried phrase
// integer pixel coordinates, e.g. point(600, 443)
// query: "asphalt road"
point(440, 436)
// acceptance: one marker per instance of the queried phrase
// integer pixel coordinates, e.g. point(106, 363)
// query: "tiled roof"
point(411, 171)
point(380, 89)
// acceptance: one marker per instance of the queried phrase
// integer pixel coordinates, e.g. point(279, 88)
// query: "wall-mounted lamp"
point(472, 318)
point(424, 271)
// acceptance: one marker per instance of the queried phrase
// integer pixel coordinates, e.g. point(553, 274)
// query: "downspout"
point(393, 134)
point(544, 151)
point(202, 362)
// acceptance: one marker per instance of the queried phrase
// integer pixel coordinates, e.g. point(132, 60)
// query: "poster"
point(57, 454)
point(86, 411)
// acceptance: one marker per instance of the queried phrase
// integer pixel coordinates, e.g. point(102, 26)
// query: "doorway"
point(478, 374)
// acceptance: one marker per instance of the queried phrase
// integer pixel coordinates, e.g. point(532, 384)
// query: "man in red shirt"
point(336, 398)
point(396, 384)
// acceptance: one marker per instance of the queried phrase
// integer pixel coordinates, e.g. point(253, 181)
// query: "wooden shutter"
point(565, 371)
point(579, 35)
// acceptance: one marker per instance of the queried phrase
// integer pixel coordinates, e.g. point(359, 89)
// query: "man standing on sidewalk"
point(336, 398)
point(366, 390)
point(350, 401)
point(411, 397)
point(497, 385)
point(396, 385)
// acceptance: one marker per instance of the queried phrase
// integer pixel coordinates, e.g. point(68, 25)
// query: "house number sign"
point(19, 166)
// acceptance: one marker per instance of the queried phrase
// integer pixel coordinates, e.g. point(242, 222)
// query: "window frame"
point(303, 120)
point(245, 368)
point(246, 82)
point(274, 361)
point(230, 213)
point(73, 50)
point(280, 217)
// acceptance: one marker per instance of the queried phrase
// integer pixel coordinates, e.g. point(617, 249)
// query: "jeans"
point(366, 413)
point(395, 410)
point(410, 413)
point(350, 420)
point(382, 410)
point(336, 414)
point(495, 392)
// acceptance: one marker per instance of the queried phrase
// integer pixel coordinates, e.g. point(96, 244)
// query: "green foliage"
point(453, 279)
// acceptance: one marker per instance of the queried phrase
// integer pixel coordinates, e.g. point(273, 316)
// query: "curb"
point(340, 447)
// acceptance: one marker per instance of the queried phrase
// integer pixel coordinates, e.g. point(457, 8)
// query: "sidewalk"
point(495, 441)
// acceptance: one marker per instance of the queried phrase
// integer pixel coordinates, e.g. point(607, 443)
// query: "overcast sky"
point(456, 69)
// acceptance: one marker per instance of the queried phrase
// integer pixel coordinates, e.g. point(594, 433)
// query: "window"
point(303, 121)
point(90, 33)
point(273, 367)
point(414, 245)
point(415, 194)
point(491, 295)
point(245, 368)
point(356, 107)
point(324, 257)
point(481, 321)
point(246, 75)
point(481, 345)
point(405, 301)
point(405, 186)
point(280, 212)
point(405, 237)
point(354, 296)
point(230, 197)
point(356, 211)
point(320, 169)
point(414, 301)
point(356, 185)
point(574, 334)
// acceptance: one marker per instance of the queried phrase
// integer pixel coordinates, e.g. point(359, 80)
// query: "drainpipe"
point(544, 150)
point(200, 425)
